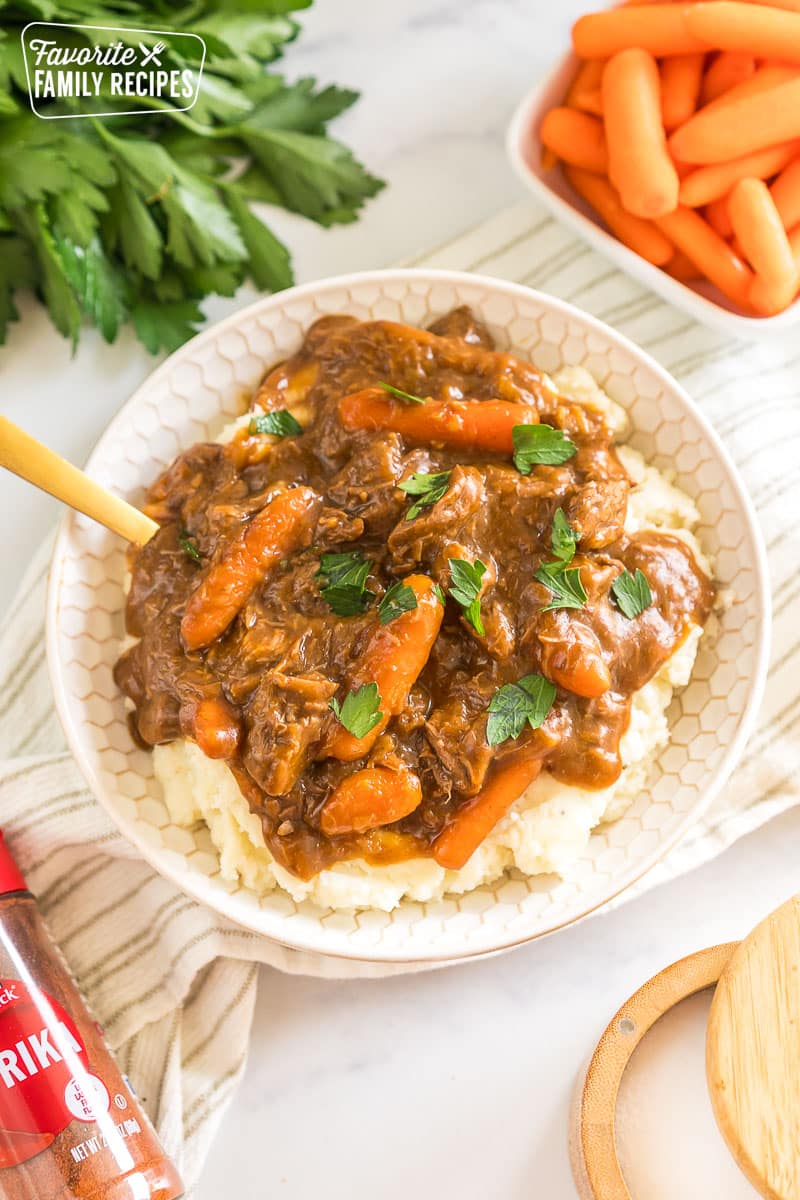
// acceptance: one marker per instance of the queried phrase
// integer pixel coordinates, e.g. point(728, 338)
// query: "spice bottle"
point(70, 1125)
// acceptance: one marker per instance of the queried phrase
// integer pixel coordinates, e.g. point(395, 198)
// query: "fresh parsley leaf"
point(399, 599)
point(428, 488)
point(268, 260)
point(168, 325)
point(563, 538)
point(564, 583)
point(466, 588)
point(189, 547)
point(632, 593)
point(540, 445)
point(401, 395)
point(516, 704)
point(100, 287)
point(279, 422)
point(360, 711)
point(439, 594)
point(345, 578)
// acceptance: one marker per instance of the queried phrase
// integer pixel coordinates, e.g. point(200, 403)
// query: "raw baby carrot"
point(712, 182)
point(459, 840)
point(576, 137)
point(681, 76)
point(640, 236)
point(638, 163)
point(714, 257)
point(769, 299)
point(740, 127)
point(785, 192)
point(368, 798)
point(763, 31)
point(660, 28)
point(718, 217)
point(584, 91)
point(758, 226)
point(486, 424)
point(726, 71)
point(681, 267)
point(766, 77)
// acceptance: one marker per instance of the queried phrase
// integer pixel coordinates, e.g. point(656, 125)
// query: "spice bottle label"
point(45, 1079)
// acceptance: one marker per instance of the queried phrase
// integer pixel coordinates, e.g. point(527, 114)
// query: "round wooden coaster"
point(753, 1054)
point(593, 1151)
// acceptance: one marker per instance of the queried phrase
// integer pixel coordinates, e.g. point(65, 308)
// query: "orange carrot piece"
point(758, 226)
point(709, 183)
point(662, 29)
point(718, 217)
point(369, 798)
point(216, 727)
point(785, 192)
point(393, 657)
point(548, 159)
point(681, 267)
point(281, 527)
point(718, 134)
point(681, 76)
point(715, 258)
point(638, 163)
point(591, 101)
point(638, 235)
point(486, 424)
point(586, 86)
point(765, 78)
point(459, 840)
point(728, 69)
point(788, 5)
point(762, 31)
point(769, 299)
point(576, 137)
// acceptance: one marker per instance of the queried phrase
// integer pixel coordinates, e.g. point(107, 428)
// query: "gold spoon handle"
point(22, 454)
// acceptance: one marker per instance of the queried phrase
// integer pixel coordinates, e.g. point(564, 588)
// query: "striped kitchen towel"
point(173, 983)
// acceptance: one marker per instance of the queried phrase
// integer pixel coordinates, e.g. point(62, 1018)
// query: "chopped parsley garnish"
point(466, 589)
point(345, 578)
point(564, 583)
point(540, 445)
point(632, 593)
point(439, 593)
point(512, 706)
point(189, 547)
point(427, 488)
point(399, 599)
point(406, 397)
point(563, 538)
point(280, 423)
point(360, 711)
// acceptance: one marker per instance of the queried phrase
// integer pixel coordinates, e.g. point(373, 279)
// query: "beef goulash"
point(402, 590)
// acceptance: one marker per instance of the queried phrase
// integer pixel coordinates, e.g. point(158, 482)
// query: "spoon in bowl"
point(28, 458)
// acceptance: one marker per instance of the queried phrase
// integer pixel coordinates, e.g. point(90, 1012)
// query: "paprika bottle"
point(70, 1125)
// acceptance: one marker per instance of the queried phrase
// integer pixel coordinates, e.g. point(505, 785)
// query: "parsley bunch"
point(140, 217)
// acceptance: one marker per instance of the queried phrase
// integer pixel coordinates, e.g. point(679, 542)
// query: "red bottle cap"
point(11, 879)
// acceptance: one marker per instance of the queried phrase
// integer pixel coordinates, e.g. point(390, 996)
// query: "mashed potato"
point(545, 831)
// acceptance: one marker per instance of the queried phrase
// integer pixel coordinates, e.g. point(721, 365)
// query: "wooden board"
point(753, 1054)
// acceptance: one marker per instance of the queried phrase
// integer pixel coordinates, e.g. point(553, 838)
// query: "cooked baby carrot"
point(576, 137)
point(681, 76)
point(718, 217)
point(638, 163)
point(368, 798)
point(638, 235)
point(717, 261)
point(586, 86)
point(392, 658)
point(661, 29)
point(281, 527)
point(785, 192)
point(571, 655)
point(763, 31)
point(720, 133)
point(459, 840)
point(487, 424)
point(681, 267)
point(712, 182)
point(726, 71)
point(216, 727)
point(758, 226)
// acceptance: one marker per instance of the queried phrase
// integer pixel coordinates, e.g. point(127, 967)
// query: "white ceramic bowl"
point(205, 384)
point(702, 301)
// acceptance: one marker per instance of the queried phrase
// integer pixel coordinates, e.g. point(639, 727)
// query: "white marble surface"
point(456, 1082)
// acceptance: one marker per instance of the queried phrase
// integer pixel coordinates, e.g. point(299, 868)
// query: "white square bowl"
point(702, 301)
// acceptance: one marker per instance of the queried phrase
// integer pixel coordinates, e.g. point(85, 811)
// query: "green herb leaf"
point(516, 704)
point(279, 423)
point(466, 587)
point(427, 488)
point(540, 445)
point(399, 599)
point(166, 325)
point(361, 710)
point(632, 593)
point(188, 546)
point(564, 583)
point(345, 578)
point(401, 395)
point(563, 538)
point(439, 594)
